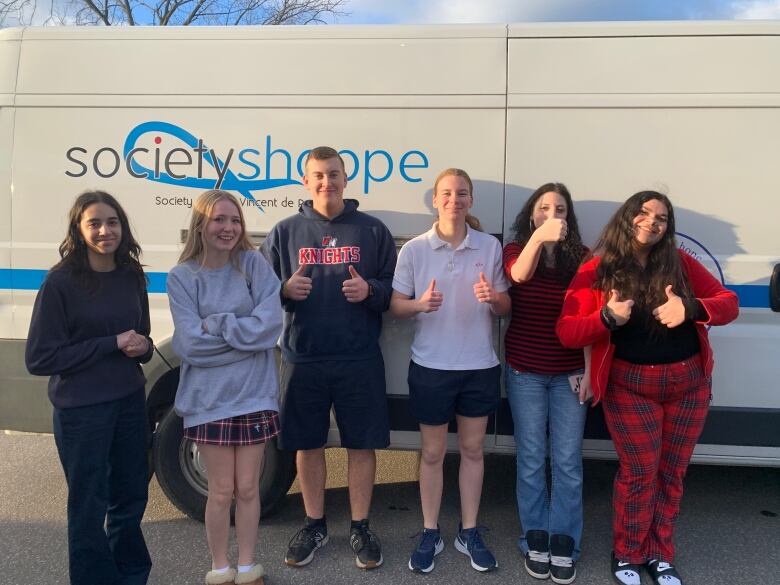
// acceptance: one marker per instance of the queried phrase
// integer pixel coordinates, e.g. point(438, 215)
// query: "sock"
point(245, 568)
point(220, 571)
point(315, 521)
point(357, 523)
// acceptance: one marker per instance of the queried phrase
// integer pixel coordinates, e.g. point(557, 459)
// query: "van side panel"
point(687, 116)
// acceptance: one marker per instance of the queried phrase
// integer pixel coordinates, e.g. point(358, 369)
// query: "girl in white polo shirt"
point(450, 279)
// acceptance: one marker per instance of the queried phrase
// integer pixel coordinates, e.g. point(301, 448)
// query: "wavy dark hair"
point(569, 253)
point(73, 249)
point(620, 268)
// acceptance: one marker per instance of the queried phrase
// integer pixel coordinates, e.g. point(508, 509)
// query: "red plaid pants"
point(655, 415)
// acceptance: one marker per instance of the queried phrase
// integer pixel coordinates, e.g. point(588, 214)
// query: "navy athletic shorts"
point(354, 388)
point(436, 396)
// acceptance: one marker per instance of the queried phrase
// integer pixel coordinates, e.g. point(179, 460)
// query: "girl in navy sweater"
point(90, 332)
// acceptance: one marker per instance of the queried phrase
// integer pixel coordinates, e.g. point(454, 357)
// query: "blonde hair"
point(201, 211)
point(471, 220)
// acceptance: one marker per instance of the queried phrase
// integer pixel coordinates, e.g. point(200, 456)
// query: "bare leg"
point(312, 475)
point(361, 475)
point(248, 462)
point(434, 446)
point(471, 435)
point(220, 464)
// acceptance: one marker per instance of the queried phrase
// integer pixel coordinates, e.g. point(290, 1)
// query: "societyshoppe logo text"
point(166, 153)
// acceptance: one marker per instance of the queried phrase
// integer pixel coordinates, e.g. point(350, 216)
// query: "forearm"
point(502, 306)
point(404, 308)
point(524, 267)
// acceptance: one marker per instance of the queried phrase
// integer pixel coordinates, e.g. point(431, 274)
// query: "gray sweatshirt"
point(227, 326)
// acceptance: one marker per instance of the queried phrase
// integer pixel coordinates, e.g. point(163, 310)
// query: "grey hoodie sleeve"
point(190, 342)
point(261, 329)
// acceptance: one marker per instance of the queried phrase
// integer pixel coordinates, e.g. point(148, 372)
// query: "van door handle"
point(774, 289)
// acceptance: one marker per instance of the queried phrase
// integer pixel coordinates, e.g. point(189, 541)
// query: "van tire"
point(181, 473)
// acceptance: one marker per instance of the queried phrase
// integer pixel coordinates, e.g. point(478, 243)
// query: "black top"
point(73, 333)
point(645, 341)
point(326, 326)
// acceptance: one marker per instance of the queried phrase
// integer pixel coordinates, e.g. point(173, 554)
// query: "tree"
point(173, 12)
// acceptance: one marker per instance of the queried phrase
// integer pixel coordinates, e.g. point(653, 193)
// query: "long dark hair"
point(620, 268)
point(73, 249)
point(569, 253)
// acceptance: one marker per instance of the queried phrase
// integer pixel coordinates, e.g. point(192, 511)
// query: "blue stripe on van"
point(750, 295)
point(26, 279)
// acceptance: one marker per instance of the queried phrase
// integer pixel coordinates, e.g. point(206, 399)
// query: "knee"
point(432, 455)
point(472, 451)
point(247, 490)
point(221, 491)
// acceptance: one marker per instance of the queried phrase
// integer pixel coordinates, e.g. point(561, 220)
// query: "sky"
point(505, 11)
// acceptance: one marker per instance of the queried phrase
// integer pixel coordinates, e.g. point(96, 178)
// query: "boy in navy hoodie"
point(336, 265)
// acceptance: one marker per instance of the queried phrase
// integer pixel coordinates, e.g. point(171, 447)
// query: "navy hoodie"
point(326, 326)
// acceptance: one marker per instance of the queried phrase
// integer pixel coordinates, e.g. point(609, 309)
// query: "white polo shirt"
point(459, 335)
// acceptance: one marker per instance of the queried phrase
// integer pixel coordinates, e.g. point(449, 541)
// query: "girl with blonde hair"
point(224, 298)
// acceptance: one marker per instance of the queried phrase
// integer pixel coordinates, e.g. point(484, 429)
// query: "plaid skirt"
point(238, 431)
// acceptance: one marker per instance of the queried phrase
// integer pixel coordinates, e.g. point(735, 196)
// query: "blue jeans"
point(103, 451)
point(538, 400)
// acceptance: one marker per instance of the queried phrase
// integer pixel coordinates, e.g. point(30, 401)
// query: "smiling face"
point(326, 180)
point(222, 230)
point(650, 224)
point(452, 199)
point(549, 205)
point(101, 231)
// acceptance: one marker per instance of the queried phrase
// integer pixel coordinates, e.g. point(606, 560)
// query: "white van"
point(157, 115)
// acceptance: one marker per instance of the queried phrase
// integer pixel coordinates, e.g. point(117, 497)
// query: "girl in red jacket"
point(643, 305)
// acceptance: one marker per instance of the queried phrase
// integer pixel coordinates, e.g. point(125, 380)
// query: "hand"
point(431, 299)
point(586, 391)
point(355, 289)
point(552, 230)
point(483, 291)
point(135, 344)
point(123, 339)
point(672, 312)
point(298, 286)
point(620, 310)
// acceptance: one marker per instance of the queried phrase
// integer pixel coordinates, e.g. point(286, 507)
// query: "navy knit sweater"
point(73, 333)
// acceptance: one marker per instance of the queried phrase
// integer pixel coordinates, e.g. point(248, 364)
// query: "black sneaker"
point(562, 569)
point(365, 545)
point(625, 573)
point(662, 572)
point(537, 559)
point(306, 541)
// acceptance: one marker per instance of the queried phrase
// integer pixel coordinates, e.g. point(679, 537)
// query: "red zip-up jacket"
point(580, 322)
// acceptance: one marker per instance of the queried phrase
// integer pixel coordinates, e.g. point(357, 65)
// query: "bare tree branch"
point(190, 12)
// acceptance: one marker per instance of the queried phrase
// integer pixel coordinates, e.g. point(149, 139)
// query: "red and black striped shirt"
point(531, 344)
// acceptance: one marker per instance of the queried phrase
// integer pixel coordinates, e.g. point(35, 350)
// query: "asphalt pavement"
point(728, 531)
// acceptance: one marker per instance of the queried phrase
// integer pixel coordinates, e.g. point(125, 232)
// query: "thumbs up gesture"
point(672, 312)
point(298, 286)
point(483, 291)
point(355, 289)
point(431, 299)
point(620, 310)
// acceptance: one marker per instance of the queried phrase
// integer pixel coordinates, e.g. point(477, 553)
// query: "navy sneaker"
point(469, 542)
point(429, 546)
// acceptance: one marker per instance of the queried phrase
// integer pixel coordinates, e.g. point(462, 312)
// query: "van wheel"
point(181, 471)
